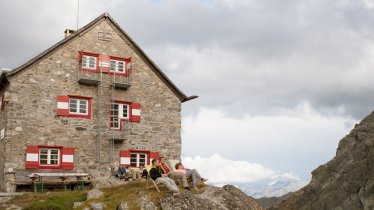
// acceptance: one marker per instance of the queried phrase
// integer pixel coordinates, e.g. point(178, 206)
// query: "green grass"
point(129, 192)
point(49, 201)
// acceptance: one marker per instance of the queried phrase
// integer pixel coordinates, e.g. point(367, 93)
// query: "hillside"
point(133, 195)
point(346, 181)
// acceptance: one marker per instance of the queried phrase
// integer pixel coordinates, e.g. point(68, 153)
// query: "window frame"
point(126, 63)
point(83, 54)
point(88, 62)
point(88, 109)
point(78, 106)
point(138, 163)
point(116, 67)
point(119, 115)
point(49, 154)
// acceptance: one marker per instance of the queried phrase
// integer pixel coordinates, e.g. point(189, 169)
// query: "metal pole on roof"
point(78, 16)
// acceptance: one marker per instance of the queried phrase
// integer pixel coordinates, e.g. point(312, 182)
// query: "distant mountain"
point(270, 188)
point(275, 188)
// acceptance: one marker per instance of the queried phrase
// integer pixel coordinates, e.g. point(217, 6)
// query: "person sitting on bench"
point(159, 176)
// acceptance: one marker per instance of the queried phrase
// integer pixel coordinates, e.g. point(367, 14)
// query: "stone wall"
point(2, 145)
point(31, 112)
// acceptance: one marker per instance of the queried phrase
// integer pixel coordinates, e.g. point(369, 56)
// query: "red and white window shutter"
point(153, 155)
point(135, 112)
point(104, 63)
point(128, 66)
point(67, 162)
point(32, 157)
point(63, 105)
point(125, 157)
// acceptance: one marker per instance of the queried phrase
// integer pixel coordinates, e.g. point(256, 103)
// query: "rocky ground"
point(134, 195)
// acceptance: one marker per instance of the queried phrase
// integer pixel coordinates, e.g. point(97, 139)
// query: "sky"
point(279, 82)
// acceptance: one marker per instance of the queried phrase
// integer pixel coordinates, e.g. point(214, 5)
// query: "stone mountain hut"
point(92, 100)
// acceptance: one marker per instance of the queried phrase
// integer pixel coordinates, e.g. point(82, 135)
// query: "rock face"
point(94, 194)
point(227, 197)
point(346, 181)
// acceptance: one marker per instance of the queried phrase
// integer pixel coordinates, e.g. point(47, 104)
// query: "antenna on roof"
point(78, 16)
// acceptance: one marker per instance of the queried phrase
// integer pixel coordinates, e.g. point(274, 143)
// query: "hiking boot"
point(204, 180)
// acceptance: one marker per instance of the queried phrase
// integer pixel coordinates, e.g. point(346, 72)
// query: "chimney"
point(68, 32)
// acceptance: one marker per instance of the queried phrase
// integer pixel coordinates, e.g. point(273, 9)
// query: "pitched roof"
point(183, 97)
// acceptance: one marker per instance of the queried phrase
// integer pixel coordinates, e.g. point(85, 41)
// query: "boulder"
point(98, 206)
point(227, 197)
point(94, 194)
point(145, 204)
point(123, 206)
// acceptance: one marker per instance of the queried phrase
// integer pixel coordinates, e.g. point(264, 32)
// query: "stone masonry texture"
point(30, 116)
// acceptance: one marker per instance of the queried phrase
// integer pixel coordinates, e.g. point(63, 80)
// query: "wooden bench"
point(54, 178)
point(41, 179)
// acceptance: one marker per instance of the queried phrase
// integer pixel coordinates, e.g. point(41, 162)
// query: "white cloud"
point(220, 170)
point(296, 140)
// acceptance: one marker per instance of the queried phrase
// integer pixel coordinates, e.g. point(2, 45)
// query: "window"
point(78, 106)
point(137, 159)
point(88, 62)
point(49, 156)
point(118, 112)
point(45, 157)
point(74, 106)
point(117, 66)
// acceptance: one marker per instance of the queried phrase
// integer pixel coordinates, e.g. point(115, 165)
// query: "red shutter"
point(135, 112)
point(104, 63)
point(63, 105)
point(67, 160)
point(124, 157)
point(153, 155)
point(128, 66)
point(80, 55)
point(32, 157)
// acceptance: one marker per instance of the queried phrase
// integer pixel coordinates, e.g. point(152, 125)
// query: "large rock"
point(215, 198)
point(94, 194)
point(123, 206)
point(346, 181)
point(145, 204)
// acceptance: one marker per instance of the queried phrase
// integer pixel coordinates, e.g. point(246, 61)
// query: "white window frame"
point(137, 163)
point(79, 102)
point(49, 151)
point(86, 60)
point(116, 66)
point(120, 114)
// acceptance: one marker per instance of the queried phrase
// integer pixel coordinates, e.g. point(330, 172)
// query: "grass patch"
point(49, 201)
point(128, 192)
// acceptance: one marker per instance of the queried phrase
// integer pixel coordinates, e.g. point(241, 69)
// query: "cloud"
point(220, 170)
point(296, 140)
